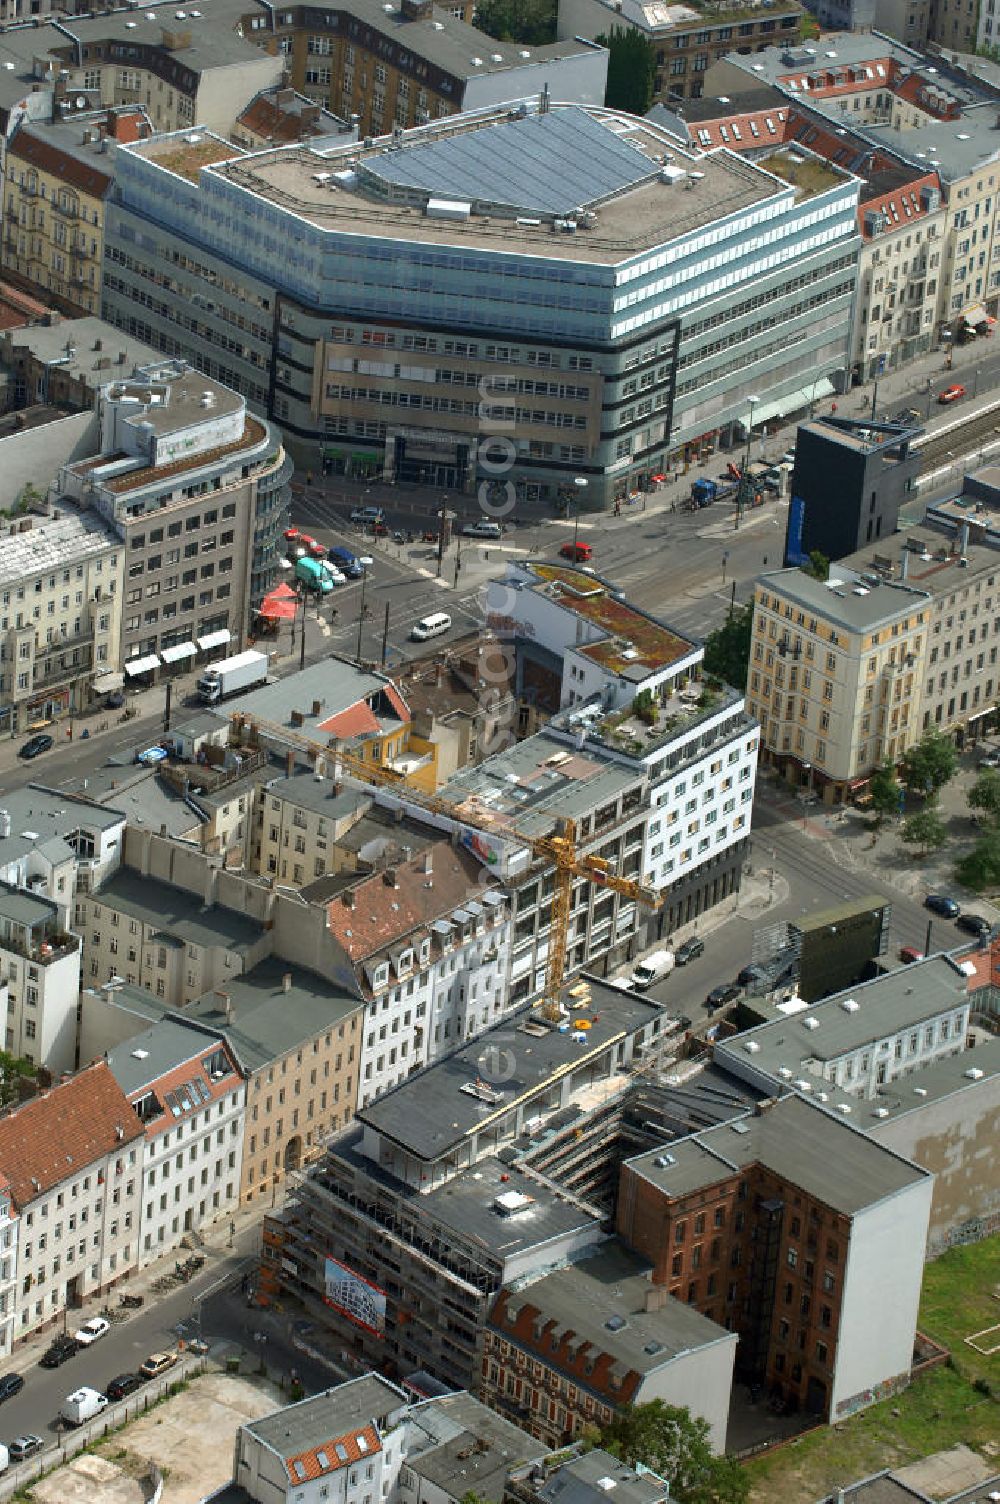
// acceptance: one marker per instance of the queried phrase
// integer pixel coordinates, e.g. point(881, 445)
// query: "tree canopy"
point(925, 829)
point(985, 794)
point(531, 21)
point(727, 649)
point(979, 869)
point(12, 1070)
point(631, 70)
point(885, 790)
point(675, 1444)
point(930, 762)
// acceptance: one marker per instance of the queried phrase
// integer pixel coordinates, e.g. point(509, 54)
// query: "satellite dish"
point(81, 101)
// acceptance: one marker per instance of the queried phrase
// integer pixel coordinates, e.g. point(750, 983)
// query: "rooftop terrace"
point(634, 643)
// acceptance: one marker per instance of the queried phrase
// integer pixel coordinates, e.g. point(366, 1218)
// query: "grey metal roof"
point(43, 818)
point(835, 601)
point(267, 1021)
point(584, 1481)
point(466, 1206)
point(459, 1444)
point(944, 1078)
point(357, 1403)
point(145, 1057)
point(801, 1142)
point(56, 543)
point(22, 907)
point(335, 684)
point(175, 912)
point(430, 1113)
point(306, 791)
point(48, 342)
point(602, 1300)
point(551, 163)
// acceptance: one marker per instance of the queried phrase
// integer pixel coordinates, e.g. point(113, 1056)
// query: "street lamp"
point(580, 481)
point(365, 561)
point(743, 488)
point(300, 595)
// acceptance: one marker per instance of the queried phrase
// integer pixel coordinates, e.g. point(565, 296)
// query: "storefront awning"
point(142, 665)
point(178, 651)
point(106, 684)
point(214, 639)
point(794, 402)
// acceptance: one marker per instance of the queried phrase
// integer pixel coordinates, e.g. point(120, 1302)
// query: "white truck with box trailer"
point(231, 676)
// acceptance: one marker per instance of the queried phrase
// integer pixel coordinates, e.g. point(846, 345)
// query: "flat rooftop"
point(173, 912)
point(797, 1140)
point(268, 1018)
point(936, 562)
point(534, 783)
point(171, 395)
point(363, 190)
point(835, 599)
point(434, 1111)
point(467, 1205)
point(602, 1300)
point(584, 1480)
point(51, 544)
point(459, 1445)
point(635, 644)
point(43, 819)
point(346, 1407)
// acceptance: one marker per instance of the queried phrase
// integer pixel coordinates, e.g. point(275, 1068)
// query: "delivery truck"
point(314, 574)
point(653, 969)
point(82, 1405)
point(241, 672)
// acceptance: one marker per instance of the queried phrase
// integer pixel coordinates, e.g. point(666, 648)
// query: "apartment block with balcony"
point(197, 490)
point(41, 963)
point(801, 1234)
point(623, 684)
point(9, 1223)
point(60, 614)
point(73, 1161)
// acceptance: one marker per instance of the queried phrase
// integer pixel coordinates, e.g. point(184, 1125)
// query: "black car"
point(10, 1384)
point(975, 924)
point(35, 745)
point(720, 996)
point(61, 1349)
point(689, 951)
point(940, 903)
point(124, 1384)
point(25, 1446)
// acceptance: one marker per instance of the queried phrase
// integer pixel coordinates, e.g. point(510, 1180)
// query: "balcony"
point(68, 211)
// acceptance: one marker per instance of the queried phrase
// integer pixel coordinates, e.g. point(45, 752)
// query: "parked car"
point(156, 1364)
point(368, 516)
point(58, 1351)
point(92, 1331)
point(909, 953)
point(25, 1446)
point(951, 393)
point(989, 760)
point(975, 924)
point(10, 1384)
point(35, 745)
point(82, 1405)
point(123, 1384)
point(578, 552)
point(940, 903)
point(719, 997)
point(689, 951)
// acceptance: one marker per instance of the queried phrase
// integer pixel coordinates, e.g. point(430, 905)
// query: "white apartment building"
point(429, 946)
point(60, 614)
point(9, 1222)
point(188, 1094)
point(58, 845)
point(630, 689)
point(40, 963)
point(73, 1158)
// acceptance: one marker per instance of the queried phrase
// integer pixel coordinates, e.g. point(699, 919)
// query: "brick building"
point(798, 1232)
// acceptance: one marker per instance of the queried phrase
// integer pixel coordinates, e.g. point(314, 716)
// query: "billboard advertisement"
point(355, 1297)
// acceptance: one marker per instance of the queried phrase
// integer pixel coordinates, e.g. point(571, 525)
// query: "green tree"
point(925, 829)
point(675, 1444)
point(631, 70)
point(12, 1071)
point(885, 789)
point(979, 869)
point(727, 649)
point(531, 21)
point(985, 794)
point(818, 566)
point(930, 763)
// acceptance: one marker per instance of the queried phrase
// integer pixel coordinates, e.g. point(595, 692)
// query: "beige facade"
point(836, 689)
point(60, 614)
point(53, 236)
point(902, 291)
point(298, 824)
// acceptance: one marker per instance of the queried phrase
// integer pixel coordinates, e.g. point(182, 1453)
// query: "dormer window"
point(425, 951)
point(404, 962)
point(380, 976)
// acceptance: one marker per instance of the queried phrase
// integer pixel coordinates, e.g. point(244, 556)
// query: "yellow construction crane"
point(558, 848)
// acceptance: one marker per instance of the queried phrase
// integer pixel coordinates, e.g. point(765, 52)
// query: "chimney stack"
point(347, 898)
point(428, 862)
point(289, 763)
point(963, 538)
point(317, 707)
point(286, 982)
point(389, 877)
point(656, 1298)
point(904, 564)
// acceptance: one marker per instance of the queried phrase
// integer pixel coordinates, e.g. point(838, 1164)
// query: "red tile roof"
point(48, 158)
point(382, 914)
point(59, 1133)
point(357, 720)
point(309, 1462)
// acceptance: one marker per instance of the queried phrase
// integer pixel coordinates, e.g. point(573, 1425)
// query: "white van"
point(82, 1405)
point(430, 626)
point(656, 966)
point(483, 530)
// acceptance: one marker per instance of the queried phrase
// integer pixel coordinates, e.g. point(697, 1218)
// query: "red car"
point(578, 552)
point(951, 393)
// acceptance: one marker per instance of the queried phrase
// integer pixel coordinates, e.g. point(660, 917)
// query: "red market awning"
point(278, 610)
point(282, 592)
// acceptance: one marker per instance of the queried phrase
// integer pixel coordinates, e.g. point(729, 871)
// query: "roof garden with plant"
point(634, 641)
